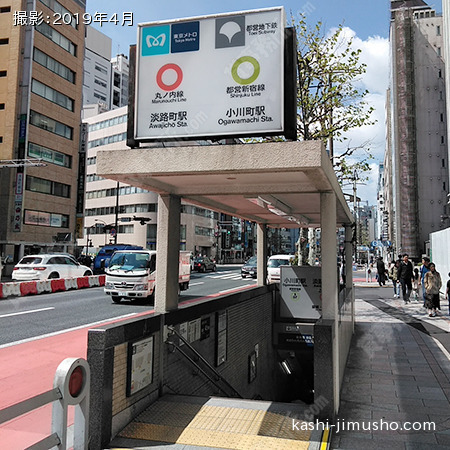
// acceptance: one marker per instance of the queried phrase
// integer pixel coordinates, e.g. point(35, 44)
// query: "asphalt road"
point(25, 318)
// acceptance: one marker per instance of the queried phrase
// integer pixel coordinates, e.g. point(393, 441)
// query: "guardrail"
point(21, 288)
point(71, 387)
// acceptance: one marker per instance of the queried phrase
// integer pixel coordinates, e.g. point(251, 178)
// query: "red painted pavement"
point(28, 369)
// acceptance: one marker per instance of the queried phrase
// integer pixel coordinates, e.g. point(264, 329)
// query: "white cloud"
point(375, 54)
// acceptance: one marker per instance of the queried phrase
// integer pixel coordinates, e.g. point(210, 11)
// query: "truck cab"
point(131, 274)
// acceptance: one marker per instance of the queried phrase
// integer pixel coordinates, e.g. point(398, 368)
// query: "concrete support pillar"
point(329, 256)
point(261, 248)
point(326, 330)
point(348, 256)
point(349, 268)
point(168, 250)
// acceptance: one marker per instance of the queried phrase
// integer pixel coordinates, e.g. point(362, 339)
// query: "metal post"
point(116, 222)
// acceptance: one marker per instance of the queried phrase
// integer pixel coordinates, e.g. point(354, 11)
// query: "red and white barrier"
point(19, 289)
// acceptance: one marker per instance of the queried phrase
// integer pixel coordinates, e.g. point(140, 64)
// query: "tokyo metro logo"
point(155, 40)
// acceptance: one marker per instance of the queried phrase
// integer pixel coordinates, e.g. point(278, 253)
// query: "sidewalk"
point(397, 376)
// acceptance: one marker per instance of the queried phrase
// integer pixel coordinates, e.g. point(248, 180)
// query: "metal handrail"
point(13, 411)
point(210, 367)
point(61, 396)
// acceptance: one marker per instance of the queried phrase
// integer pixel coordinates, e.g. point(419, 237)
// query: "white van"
point(273, 266)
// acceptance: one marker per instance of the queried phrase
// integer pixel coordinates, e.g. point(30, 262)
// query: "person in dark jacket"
point(405, 275)
point(381, 271)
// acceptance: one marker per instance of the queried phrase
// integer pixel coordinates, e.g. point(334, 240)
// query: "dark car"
point(202, 264)
point(249, 268)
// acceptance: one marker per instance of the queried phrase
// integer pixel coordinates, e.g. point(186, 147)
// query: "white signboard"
point(301, 292)
point(141, 370)
point(211, 76)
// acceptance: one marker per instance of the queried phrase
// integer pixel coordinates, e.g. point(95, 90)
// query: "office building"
point(136, 220)
point(418, 125)
point(41, 77)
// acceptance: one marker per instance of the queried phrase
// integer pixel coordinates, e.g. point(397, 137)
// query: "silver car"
point(43, 267)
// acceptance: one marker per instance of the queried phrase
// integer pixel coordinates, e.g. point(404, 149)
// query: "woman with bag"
point(393, 276)
point(432, 283)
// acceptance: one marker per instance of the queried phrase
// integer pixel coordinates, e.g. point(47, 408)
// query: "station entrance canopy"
point(277, 184)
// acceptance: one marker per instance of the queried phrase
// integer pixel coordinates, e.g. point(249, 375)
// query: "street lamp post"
point(104, 227)
point(117, 213)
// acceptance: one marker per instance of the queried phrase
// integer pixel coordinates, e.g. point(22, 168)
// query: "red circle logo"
point(165, 68)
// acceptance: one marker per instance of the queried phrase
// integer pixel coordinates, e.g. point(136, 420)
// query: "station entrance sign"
point(208, 76)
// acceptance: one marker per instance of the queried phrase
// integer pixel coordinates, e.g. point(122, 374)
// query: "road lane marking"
point(195, 284)
point(26, 312)
point(56, 333)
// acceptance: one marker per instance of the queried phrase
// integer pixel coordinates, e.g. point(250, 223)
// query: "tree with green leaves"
point(329, 103)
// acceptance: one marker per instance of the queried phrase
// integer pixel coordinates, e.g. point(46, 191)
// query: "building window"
point(107, 123)
point(2, 73)
point(2, 106)
point(101, 69)
point(52, 95)
point(45, 219)
point(5, 9)
point(100, 83)
point(66, 15)
point(43, 186)
point(438, 49)
point(442, 117)
point(4, 41)
point(57, 38)
point(438, 30)
point(1, 139)
point(48, 155)
point(46, 123)
point(99, 96)
point(53, 65)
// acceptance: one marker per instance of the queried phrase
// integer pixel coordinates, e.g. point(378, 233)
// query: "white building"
point(97, 68)
point(136, 220)
point(119, 81)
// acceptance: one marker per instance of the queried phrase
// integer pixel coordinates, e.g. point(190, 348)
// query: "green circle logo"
point(250, 79)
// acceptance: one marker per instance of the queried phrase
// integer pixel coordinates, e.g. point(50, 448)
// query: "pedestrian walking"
point(447, 293)
point(405, 276)
point(433, 283)
point(381, 271)
point(415, 284)
point(393, 275)
point(369, 272)
point(423, 270)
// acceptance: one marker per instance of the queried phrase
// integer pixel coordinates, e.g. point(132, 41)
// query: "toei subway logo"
point(245, 70)
point(169, 77)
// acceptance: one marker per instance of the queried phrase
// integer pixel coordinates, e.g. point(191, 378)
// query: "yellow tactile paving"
point(217, 426)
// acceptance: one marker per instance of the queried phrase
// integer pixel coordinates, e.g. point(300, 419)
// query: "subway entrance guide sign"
point(220, 75)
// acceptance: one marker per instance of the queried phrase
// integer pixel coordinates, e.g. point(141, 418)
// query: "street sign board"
point(301, 292)
point(220, 75)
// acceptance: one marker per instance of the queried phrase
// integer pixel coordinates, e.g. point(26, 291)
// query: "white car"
point(43, 267)
point(273, 266)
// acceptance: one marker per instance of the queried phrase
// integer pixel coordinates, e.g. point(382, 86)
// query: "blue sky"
point(365, 17)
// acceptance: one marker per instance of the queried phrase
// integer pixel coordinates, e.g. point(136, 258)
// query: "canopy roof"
point(277, 184)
